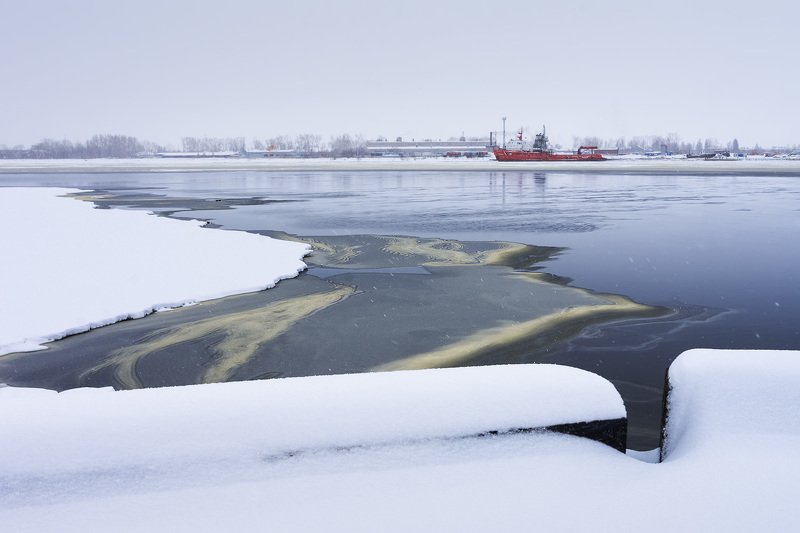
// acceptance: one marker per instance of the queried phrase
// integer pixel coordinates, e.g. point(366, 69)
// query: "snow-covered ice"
point(734, 466)
point(68, 267)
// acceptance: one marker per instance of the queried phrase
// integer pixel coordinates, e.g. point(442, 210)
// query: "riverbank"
point(760, 166)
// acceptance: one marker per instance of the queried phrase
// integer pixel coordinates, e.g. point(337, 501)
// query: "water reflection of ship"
point(540, 183)
point(499, 185)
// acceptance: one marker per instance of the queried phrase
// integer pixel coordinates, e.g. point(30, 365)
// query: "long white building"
point(478, 148)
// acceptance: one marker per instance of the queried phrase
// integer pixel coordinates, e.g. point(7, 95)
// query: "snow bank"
point(99, 429)
point(739, 402)
point(69, 460)
point(69, 267)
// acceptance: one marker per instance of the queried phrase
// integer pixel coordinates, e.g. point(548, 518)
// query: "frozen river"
point(721, 250)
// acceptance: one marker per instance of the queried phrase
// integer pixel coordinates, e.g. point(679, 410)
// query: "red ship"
point(539, 151)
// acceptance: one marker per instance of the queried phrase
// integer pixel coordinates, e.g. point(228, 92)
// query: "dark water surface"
point(722, 251)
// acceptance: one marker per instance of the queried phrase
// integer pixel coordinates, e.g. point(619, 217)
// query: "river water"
point(721, 251)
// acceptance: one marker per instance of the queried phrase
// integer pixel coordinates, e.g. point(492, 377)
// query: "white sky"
point(161, 70)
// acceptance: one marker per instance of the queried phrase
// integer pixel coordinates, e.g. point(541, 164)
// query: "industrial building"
point(400, 148)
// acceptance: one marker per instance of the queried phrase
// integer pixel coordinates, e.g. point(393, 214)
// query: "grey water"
point(722, 251)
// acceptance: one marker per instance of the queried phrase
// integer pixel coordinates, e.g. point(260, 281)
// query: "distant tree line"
point(213, 144)
point(97, 146)
point(658, 143)
point(121, 146)
point(344, 145)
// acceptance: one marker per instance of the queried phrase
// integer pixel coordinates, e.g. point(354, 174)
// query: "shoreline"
point(780, 167)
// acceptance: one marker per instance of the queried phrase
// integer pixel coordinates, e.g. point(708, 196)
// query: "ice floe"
point(68, 267)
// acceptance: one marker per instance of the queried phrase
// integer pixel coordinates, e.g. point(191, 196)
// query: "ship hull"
point(525, 155)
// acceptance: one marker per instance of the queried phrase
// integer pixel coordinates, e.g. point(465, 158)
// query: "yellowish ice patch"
point(491, 339)
point(244, 333)
point(441, 252)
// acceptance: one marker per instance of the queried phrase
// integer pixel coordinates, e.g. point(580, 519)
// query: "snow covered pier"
point(400, 451)
point(100, 430)
point(740, 403)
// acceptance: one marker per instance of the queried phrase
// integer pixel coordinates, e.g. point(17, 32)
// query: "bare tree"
point(308, 143)
point(101, 145)
point(213, 144)
point(281, 142)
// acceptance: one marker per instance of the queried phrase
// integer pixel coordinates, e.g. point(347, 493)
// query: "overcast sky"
point(161, 70)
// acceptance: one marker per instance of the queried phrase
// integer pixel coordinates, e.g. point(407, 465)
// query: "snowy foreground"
point(400, 452)
point(69, 267)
